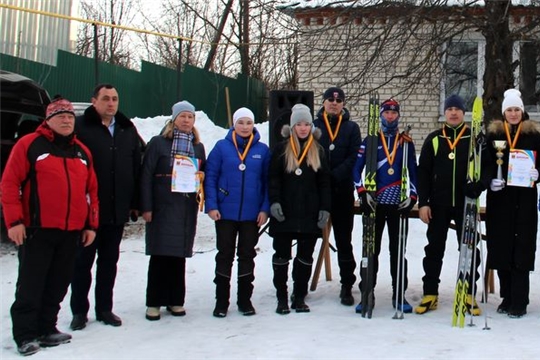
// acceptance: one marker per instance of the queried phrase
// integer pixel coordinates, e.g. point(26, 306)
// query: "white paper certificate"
point(520, 164)
point(184, 178)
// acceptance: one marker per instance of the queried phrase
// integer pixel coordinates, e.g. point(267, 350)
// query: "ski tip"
point(477, 109)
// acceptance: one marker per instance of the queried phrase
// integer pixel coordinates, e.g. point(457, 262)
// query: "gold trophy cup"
point(499, 145)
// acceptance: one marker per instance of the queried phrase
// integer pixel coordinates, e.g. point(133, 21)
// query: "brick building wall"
point(321, 68)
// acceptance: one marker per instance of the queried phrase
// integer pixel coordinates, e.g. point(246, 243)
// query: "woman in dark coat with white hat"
point(170, 215)
point(511, 213)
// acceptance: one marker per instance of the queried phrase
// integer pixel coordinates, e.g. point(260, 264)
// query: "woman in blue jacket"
point(237, 200)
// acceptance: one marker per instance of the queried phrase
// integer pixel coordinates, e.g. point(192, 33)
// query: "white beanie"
point(300, 112)
point(512, 98)
point(243, 112)
point(182, 106)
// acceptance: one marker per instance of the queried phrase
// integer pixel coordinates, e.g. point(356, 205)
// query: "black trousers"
point(166, 284)
point(45, 269)
point(227, 232)
point(107, 248)
point(302, 263)
point(389, 215)
point(342, 215)
point(437, 234)
point(515, 286)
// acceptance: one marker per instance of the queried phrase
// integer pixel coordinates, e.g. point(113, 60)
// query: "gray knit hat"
point(300, 112)
point(181, 107)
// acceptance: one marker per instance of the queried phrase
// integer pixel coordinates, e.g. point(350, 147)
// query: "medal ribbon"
point(248, 146)
point(200, 193)
point(327, 123)
point(304, 153)
point(452, 145)
point(391, 157)
point(516, 137)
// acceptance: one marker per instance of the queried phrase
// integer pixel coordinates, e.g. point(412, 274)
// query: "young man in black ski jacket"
point(442, 187)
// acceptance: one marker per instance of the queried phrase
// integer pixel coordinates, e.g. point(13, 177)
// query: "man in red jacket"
point(50, 204)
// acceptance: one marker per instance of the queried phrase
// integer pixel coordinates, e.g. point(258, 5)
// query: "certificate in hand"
point(184, 178)
point(520, 164)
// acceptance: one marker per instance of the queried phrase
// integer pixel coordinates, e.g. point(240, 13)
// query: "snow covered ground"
point(329, 331)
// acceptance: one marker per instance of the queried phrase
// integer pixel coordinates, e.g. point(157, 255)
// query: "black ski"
point(368, 236)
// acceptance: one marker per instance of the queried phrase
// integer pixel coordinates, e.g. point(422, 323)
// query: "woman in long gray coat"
point(170, 211)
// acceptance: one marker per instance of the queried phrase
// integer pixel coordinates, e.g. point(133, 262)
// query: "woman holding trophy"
point(511, 214)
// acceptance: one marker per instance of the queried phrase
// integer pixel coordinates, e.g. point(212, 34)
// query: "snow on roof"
point(312, 4)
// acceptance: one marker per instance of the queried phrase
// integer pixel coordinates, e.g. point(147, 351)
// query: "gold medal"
point(451, 156)
point(390, 157)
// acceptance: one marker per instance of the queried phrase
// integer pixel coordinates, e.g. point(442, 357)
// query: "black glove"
point(134, 215)
point(367, 204)
point(474, 189)
point(406, 205)
point(323, 219)
point(277, 212)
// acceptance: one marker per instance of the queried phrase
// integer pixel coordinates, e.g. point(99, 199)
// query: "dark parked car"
point(22, 108)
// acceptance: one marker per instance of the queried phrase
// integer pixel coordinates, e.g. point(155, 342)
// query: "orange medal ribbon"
point(200, 193)
point(516, 137)
point(327, 123)
point(304, 153)
point(452, 145)
point(391, 157)
point(244, 154)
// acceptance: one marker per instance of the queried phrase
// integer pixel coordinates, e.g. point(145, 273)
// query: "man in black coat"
point(341, 140)
point(116, 148)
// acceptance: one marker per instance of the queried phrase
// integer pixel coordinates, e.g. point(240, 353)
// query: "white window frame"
point(481, 42)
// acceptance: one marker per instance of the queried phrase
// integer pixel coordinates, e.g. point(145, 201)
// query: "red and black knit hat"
point(57, 106)
point(389, 104)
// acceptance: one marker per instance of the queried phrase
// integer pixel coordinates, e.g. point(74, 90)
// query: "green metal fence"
point(146, 93)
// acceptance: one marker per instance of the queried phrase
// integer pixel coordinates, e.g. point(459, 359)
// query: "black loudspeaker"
point(281, 103)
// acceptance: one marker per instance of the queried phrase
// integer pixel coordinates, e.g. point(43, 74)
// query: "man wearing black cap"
point(442, 187)
point(341, 140)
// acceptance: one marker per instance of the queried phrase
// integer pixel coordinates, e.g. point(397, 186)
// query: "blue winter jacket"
point(238, 195)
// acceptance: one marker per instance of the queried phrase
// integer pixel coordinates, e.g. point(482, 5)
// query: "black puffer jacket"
point(117, 163)
point(301, 196)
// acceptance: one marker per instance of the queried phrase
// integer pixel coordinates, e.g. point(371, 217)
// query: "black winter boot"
point(245, 290)
point(223, 289)
point(301, 275)
point(346, 295)
point(299, 304)
point(281, 271)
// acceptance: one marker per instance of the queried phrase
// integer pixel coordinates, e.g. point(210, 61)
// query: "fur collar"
point(528, 127)
point(91, 115)
point(286, 132)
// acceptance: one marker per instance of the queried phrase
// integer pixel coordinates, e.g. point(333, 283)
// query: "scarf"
point(182, 144)
point(389, 128)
